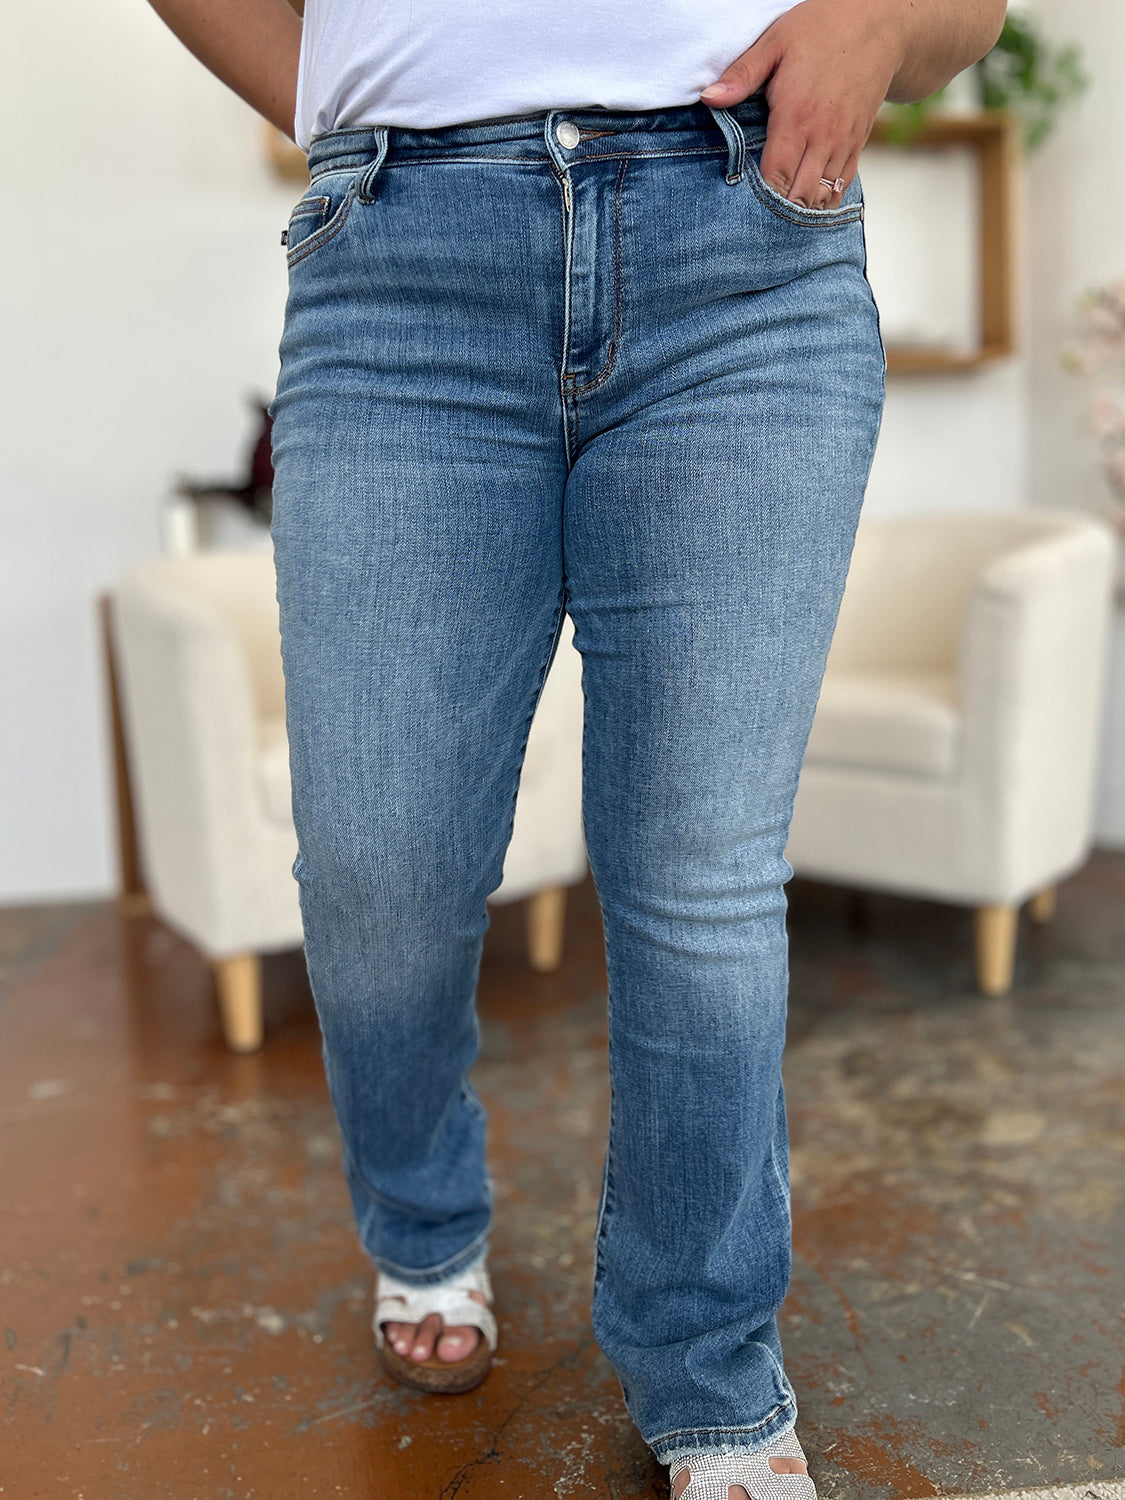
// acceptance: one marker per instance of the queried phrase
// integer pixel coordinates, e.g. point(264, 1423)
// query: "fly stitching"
point(618, 289)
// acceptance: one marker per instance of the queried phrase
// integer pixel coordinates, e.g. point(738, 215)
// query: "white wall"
point(952, 443)
point(1076, 185)
point(1078, 188)
point(141, 297)
point(949, 442)
point(141, 300)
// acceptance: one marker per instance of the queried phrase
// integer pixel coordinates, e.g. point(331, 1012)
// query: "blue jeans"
point(582, 361)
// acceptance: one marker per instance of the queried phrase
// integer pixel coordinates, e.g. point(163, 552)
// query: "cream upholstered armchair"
point(953, 751)
point(196, 657)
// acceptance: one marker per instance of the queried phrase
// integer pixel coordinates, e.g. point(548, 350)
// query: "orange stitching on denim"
point(322, 236)
point(618, 289)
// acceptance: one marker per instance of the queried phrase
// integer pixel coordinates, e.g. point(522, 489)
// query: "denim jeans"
point(581, 361)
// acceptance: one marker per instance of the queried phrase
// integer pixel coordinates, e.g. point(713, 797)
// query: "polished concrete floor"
point(186, 1312)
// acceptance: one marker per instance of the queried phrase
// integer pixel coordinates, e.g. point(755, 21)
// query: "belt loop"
point(736, 140)
point(365, 192)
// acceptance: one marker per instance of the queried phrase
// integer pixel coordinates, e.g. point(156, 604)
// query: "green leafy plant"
point(1024, 74)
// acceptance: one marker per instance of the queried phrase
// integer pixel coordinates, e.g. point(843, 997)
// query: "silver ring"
point(837, 186)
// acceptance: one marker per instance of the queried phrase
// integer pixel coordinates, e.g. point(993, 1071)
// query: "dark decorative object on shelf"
point(256, 493)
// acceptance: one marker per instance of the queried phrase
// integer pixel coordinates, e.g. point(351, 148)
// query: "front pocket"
point(796, 213)
point(320, 215)
point(307, 217)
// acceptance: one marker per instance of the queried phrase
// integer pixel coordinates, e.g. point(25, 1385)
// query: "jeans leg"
point(709, 522)
point(417, 535)
point(407, 727)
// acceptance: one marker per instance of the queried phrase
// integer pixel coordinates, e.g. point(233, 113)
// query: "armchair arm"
point(1032, 669)
point(192, 739)
point(907, 591)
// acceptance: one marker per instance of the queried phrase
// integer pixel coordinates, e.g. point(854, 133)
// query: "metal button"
point(567, 134)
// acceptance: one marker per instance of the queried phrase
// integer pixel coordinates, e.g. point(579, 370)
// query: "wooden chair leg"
point(133, 900)
point(996, 928)
point(1041, 907)
point(238, 981)
point(546, 913)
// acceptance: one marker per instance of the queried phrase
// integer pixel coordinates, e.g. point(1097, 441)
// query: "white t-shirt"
point(424, 63)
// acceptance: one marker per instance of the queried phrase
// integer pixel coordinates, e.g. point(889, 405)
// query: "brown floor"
point(186, 1312)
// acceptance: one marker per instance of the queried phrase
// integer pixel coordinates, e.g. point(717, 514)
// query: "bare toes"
point(420, 1341)
point(398, 1335)
point(457, 1343)
point(425, 1337)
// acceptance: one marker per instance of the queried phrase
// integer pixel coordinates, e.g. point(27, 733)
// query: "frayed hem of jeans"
point(714, 1443)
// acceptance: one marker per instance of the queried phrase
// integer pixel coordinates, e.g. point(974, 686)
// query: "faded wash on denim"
point(629, 381)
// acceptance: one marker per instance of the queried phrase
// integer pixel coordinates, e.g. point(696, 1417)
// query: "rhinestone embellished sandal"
point(712, 1474)
point(403, 1302)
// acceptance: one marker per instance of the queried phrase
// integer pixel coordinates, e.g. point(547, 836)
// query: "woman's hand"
point(826, 67)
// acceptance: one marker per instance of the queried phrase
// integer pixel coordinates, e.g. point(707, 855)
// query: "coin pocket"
point(306, 218)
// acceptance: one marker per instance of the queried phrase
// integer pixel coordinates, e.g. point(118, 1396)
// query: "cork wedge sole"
point(439, 1376)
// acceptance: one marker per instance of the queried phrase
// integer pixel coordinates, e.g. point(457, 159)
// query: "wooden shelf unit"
point(994, 136)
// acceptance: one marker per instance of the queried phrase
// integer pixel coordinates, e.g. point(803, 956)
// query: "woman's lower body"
point(584, 362)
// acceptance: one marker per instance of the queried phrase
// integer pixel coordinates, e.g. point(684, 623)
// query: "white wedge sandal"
point(712, 1474)
point(403, 1302)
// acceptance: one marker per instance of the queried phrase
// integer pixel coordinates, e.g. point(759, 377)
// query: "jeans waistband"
point(536, 135)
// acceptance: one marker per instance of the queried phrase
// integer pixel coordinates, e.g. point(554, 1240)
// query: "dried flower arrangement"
point(1099, 348)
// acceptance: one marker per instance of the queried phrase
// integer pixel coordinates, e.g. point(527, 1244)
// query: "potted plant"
point(1025, 75)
